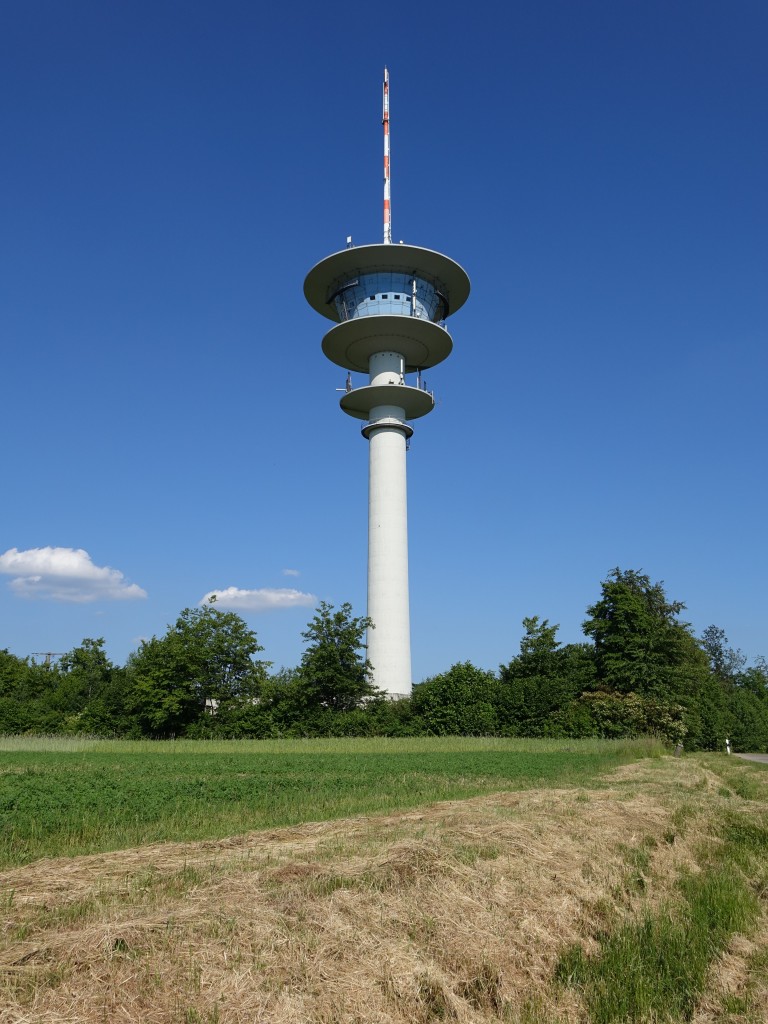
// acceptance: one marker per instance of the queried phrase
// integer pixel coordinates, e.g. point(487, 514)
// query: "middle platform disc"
point(421, 343)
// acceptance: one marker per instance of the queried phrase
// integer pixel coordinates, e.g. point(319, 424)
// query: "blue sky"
point(172, 170)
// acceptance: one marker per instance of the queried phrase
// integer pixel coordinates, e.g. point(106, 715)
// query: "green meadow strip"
point(72, 801)
point(631, 749)
point(656, 968)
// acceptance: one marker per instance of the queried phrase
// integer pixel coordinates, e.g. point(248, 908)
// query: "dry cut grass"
point(459, 911)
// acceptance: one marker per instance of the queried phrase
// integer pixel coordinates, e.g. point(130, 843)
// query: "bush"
point(460, 702)
point(619, 716)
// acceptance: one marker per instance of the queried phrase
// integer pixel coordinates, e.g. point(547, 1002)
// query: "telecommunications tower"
point(389, 303)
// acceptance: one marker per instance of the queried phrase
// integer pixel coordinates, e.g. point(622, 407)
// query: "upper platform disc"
point(326, 278)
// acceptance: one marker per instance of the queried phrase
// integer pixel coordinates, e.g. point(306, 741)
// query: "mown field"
point(535, 883)
point(70, 797)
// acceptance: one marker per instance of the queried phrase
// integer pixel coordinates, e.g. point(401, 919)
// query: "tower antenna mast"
point(387, 199)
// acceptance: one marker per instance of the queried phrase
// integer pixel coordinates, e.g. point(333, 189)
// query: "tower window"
point(397, 296)
point(385, 296)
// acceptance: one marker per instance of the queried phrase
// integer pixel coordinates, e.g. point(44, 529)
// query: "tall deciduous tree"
point(205, 659)
point(755, 679)
point(642, 647)
point(17, 693)
point(91, 691)
point(725, 662)
point(335, 674)
point(540, 684)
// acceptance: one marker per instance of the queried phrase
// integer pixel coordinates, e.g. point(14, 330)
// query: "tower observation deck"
point(389, 303)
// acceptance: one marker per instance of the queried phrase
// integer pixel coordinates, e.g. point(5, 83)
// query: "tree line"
point(640, 670)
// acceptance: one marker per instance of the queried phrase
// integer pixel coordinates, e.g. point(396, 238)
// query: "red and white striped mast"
point(387, 199)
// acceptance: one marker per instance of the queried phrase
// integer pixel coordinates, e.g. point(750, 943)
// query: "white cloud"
point(291, 572)
point(65, 574)
point(260, 600)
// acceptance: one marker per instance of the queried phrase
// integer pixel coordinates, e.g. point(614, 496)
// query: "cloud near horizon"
point(65, 574)
point(262, 600)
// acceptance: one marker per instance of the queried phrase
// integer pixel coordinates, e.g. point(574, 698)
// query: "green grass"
point(627, 749)
point(65, 797)
point(655, 968)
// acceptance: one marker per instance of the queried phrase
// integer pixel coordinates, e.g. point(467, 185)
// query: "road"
point(754, 757)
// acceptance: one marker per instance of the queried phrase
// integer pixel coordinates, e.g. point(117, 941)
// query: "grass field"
point(73, 796)
point(578, 885)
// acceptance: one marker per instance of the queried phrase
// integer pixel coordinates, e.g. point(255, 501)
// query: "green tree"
point(642, 647)
point(28, 695)
point(711, 720)
point(542, 682)
point(725, 663)
point(539, 644)
point(334, 674)
point(755, 679)
point(203, 664)
point(15, 693)
point(640, 644)
point(748, 721)
point(91, 692)
point(527, 682)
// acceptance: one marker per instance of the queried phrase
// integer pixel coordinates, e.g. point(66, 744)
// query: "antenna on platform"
point(387, 199)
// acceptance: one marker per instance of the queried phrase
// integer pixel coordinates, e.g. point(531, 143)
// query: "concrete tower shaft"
point(389, 643)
